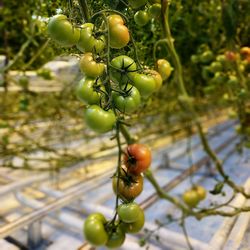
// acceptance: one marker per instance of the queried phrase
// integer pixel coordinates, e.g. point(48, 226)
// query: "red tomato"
point(137, 158)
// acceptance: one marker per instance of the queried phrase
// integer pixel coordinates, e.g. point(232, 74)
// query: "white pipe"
point(219, 239)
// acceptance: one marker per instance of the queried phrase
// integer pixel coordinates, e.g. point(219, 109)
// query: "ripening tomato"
point(135, 4)
point(145, 83)
point(119, 33)
point(129, 101)
point(116, 238)
point(141, 17)
point(231, 56)
point(122, 68)
point(87, 41)
point(137, 158)
point(191, 198)
point(62, 31)
point(93, 226)
point(136, 226)
point(85, 91)
point(164, 68)
point(157, 77)
point(99, 120)
point(90, 67)
point(128, 212)
point(129, 186)
point(201, 191)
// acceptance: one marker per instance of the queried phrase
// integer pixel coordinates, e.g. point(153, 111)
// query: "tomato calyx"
point(126, 177)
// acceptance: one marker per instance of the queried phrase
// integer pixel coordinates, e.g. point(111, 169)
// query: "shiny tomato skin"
point(85, 91)
point(128, 191)
point(136, 226)
point(128, 212)
point(127, 103)
point(92, 227)
point(137, 158)
point(127, 65)
point(155, 10)
point(141, 18)
point(144, 83)
point(116, 238)
point(99, 120)
point(62, 31)
point(90, 67)
point(158, 79)
point(119, 36)
point(191, 198)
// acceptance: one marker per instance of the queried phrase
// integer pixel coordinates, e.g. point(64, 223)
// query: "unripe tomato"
point(128, 212)
point(221, 58)
point(195, 59)
point(90, 67)
point(164, 68)
point(85, 91)
point(62, 31)
point(99, 120)
point(118, 32)
point(233, 80)
point(129, 102)
point(141, 17)
point(94, 226)
point(87, 42)
point(201, 191)
point(146, 84)
point(135, 4)
point(215, 67)
point(137, 158)
point(207, 56)
point(191, 198)
point(157, 77)
point(122, 68)
point(116, 238)
point(154, 10)
point(136, 226)
point(220, 78)
point(130, 186)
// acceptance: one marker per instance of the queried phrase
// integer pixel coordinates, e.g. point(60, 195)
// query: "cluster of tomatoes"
point(221, 68)
point(127, 185)
point(193, 196)
point(148, 11)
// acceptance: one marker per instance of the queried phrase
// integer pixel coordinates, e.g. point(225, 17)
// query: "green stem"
point(84, 10)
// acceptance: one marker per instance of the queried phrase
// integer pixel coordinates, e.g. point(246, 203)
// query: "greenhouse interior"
point(125, 124)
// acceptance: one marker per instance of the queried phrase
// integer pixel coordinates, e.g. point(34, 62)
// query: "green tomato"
point(97, 216)
point(122, 67)
point(216, 67)
point(129, 102)
point(141, 17)
point(155, 10)
point(87, 42)
point(116, 238)
point(220, 78)
point(206, 56)
point(135, 4)
point(195, 59)
point(221, 58)
point(206, 73)
point(90, 67)
point(85, 91)
point(94, 227)
point(191, 198)
point(62, 31)
point(233, 80)
point(99, 120)
point(201, 191)
point(128, 212)
point(136, 226)
point(164, 68)
point(144, 83)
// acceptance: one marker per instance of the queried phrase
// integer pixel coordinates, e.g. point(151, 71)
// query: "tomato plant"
point(141, 17)
point(137, 158)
